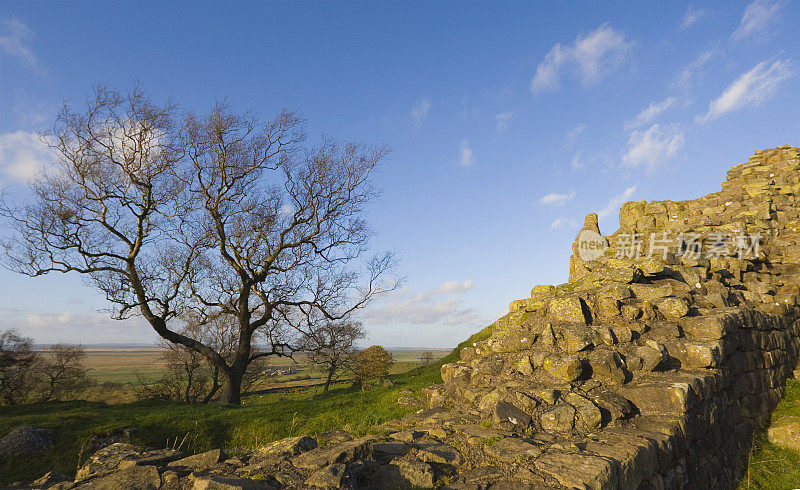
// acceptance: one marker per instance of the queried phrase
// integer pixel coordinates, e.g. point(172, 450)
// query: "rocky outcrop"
point(25, 440)
point(652, 368)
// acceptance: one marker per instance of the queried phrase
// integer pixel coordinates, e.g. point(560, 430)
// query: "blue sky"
point(508, 121)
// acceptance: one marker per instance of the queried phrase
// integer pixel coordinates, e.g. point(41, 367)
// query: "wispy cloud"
point(572, 136)
point(593, 56)
point(691, 16)
point(615, 202)
point(751, 89)
point(450, 287)
point(420, 111)
point(560, 223)
point(440, 305)
point(578, 161)
point(650, 112)
point(653, 147)
point(503, 119)
point(556, 199)
point(685, 78)
point(64, 326)
point(14, 39)
point(758, 16)
point(467, 159)
point(23, 155)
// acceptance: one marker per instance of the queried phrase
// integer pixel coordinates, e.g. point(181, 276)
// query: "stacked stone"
point(677, 345)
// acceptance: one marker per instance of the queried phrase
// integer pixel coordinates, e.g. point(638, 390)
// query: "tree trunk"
point(331, 371)
point(232, 389)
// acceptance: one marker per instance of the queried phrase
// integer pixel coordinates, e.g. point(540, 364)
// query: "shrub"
point(372, 363)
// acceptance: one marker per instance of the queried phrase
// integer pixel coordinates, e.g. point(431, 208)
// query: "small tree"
point(63, 374)
point(427, 358)
point(220, 215)
point(30, 376)
point(372, 363)
point(332, 348)
point(17, 368)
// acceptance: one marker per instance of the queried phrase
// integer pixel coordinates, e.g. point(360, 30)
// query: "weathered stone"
point(651, 292)
point(290, 446)
point(785, 432)
point(587, 412)
point(543, 291)
point(651, 357)
point(607, 366)
point(512, 449)
point(612, 406)
point(133, 478)
point(558, 419)
point(673, 308)
point(578, 470)
point(567, 368)
point(201, 460)
point(338, 453)
point(505, 411)
point(26, 440)
point(121, 455)
point(327, 477)
point(523, 366)
point(438, 452)
point(417, 473)
point(568, 309)
point(218, 482)
point(630, 312)
point(49, 479)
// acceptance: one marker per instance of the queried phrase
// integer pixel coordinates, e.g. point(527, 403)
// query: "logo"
point(591, 245)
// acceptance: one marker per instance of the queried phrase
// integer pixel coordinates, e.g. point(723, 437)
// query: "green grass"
point(772, 467)
point(261, 419)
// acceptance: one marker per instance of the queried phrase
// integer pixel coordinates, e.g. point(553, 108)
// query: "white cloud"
point(88, 327)
point(758, 16)
point(562, 223)
point(556, 199)
point(750, 90)
point(650, 112)
point(450, 287)
point(684, 79)
point(615, 202)
point(286, 210)
point(691, 16)
point(592, 56)
point(654, 146)
point(503, 119)
point(467, 158)
point(23, 155)
point(14, 38)
point(435, 306)
point(420, 111)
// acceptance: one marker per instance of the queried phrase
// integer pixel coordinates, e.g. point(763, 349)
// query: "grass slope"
point(771, 467)
point(261, 419)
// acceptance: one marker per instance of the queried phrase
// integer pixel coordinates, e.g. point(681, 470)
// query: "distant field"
point(121, 365)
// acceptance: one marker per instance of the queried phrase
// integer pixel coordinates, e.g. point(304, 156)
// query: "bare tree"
point(30, 376)
point(17, 367)
point(332, 347)
point(427, 358)
point(220, 215)
point(63, 374)
point(189, 376)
